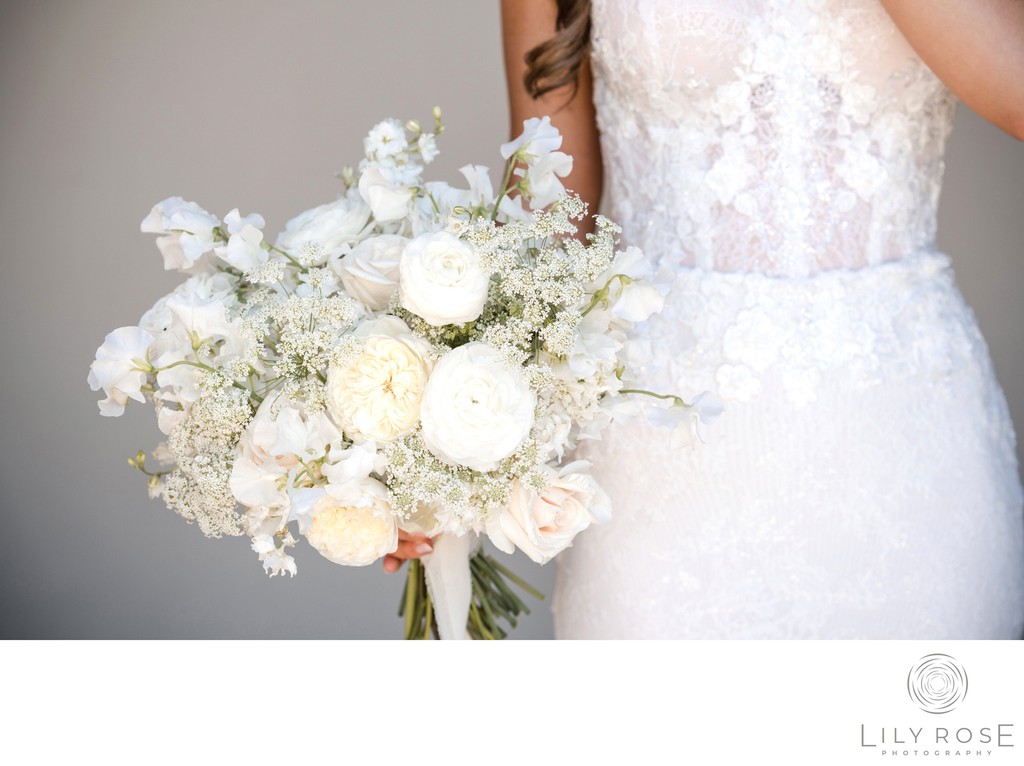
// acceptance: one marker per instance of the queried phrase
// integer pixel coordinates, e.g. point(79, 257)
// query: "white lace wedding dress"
point(785, 160)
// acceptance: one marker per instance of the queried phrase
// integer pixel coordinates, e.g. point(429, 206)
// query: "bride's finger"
point(412, 548)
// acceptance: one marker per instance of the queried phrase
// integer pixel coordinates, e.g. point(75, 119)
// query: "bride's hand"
point(409, 547)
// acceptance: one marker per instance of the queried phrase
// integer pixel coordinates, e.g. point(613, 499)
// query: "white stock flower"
point(543, 523)
point(426, 144)
point(370, 272)
point(476, 410)
point(539, 137)
point(354, 535)
point(442, 279)
point(377, 395)
point(244, 249)
point(553, 431)
point(116, 368)
point(334, 227)
point(385, 139)
point(187, 231)
point(389, 201)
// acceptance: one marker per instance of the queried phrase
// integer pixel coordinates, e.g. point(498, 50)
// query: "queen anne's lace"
point(784, 159)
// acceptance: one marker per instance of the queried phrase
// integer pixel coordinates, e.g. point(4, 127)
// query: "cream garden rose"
point(354, 535)
point(543, 523)
point(442, 279)
point(377, 396)
point(476, 409)
point(370, 272)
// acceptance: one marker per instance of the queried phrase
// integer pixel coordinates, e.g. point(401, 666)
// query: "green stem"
point(294, 262)
point(515, 578)
point(428, 623)
point(678, 400)
point(509, 167)
point(410, 596)
point(474, 615)
point(511, 600)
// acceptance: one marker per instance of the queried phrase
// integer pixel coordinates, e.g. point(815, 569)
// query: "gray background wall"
point(107, 107)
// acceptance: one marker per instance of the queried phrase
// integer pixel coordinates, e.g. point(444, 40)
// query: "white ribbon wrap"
point(449, 582)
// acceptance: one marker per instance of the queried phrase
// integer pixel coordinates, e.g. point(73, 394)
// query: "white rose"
point(476, 410)
point(442, 279)
point(388, 201)
point(187, 231)
point(377, 396)
point(354, 535)
point(370, 272)
point(542, 524)
point(333, 226)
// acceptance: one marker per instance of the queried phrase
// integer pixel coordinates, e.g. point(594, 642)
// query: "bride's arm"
point(525, 25)
point(976, 47)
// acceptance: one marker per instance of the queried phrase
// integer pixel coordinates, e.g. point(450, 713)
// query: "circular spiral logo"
point(937, 683)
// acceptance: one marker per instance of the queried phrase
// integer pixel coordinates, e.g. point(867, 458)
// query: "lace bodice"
point(780, 136)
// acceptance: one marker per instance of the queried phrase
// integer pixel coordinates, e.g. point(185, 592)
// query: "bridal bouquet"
point(410, 356)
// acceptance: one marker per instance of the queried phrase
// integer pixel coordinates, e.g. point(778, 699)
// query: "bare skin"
point(976, 47)
point(409, 547)
point(526, 24)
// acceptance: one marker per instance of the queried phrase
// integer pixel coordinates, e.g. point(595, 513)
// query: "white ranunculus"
point(244, 249)
point(389, 201)
point(543, 523)
point(476, 409)
point(377, 396)
point(539, 138)
point(117, 370)
point(370, 272)
point(442, 279)
point(334, 227)
point(187, 231)
point(354, 535)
